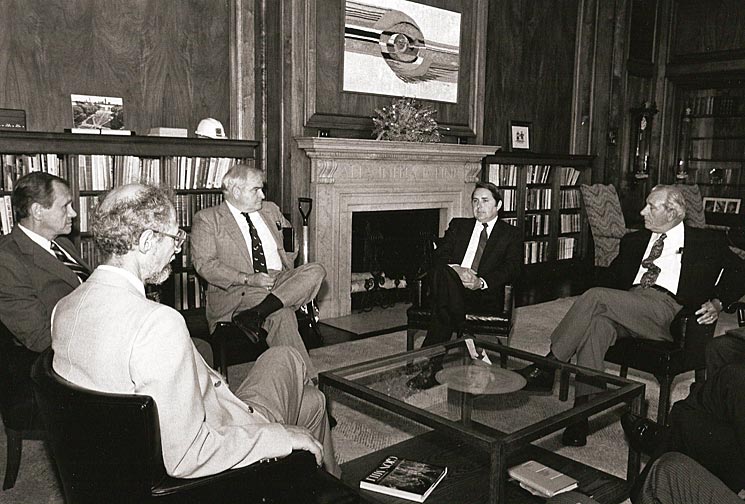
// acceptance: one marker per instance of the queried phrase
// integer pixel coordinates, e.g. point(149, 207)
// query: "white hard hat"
point(210, 128)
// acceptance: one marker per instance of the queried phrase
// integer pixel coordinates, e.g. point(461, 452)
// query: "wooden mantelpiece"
point(348, 176)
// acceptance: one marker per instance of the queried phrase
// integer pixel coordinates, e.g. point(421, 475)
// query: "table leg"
point(466, 407)
point(634, 462)
point(498, 476)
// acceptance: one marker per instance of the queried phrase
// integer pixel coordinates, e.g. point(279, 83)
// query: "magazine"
point(404, 478)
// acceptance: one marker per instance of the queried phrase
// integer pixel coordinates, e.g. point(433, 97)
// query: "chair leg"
point(13, 462)
point(624, 371)
point(664, 404)
point(410, 335)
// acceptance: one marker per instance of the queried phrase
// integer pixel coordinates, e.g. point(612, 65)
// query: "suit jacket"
point(705, 254)
point(220, 255)
point(31, 282)
point(143, 347)
point(502, 257)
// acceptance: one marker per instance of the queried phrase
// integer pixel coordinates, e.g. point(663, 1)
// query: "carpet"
point(363, 428)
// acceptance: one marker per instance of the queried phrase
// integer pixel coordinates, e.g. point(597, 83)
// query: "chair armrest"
point(739, 308)
point(692, 337)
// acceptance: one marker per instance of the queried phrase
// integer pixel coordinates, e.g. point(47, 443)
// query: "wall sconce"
point(641, 135)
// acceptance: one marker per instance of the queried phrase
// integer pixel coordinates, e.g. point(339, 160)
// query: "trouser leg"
point(709, 425)
point(297, 287)
point(448, 305)
point(724, 350)
point(675, 478)
point(275, 386)
point(591, 351)
point(282, 330)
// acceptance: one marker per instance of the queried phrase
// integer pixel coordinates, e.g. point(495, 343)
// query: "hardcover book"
point(404, 478)
point(541, 480)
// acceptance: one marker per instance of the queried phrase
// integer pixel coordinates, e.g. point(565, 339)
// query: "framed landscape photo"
point(722, 205)
point(519, 135)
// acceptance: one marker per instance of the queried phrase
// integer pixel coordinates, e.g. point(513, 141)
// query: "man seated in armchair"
point(471, 265)
point(107, 336)
point(659, 270)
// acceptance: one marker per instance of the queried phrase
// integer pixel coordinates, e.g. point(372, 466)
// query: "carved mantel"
point(349, 175)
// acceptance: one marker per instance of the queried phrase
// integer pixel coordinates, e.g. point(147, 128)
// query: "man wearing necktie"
point(658, 271)
point(33, 277)
point(473, 261)
point(237, 248)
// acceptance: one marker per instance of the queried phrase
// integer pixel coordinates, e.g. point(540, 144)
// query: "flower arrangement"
point(406, 120)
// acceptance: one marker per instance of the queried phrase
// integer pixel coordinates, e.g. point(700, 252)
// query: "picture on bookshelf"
point(97, 112)
point(520, 135)
point(722, 205)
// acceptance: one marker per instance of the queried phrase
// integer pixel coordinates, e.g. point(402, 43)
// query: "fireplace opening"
point(389, 249)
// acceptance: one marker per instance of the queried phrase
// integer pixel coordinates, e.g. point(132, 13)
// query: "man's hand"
point(467, 277)
point(302, 439)
point(709, 312)
point(261, 280)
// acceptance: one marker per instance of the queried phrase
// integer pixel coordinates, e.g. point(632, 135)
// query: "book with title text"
point(404, 478)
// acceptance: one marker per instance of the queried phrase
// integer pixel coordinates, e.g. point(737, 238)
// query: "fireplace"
point(356, 176)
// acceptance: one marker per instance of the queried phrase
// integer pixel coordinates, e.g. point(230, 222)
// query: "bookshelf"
point(542, 199)
point(190, 168)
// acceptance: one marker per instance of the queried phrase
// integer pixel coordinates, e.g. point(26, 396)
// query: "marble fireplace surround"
point(349, 175)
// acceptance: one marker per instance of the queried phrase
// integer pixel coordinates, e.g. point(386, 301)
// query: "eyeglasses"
point(178, 239)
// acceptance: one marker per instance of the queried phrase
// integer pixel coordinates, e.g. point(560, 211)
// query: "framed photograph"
point(722, 205)
point(519, 135)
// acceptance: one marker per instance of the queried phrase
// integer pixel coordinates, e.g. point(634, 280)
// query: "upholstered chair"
point(603, 209)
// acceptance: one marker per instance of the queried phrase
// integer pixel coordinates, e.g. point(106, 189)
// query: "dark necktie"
point(257, 250)
point(650, 276)
point(483, 237)
point(76, 268)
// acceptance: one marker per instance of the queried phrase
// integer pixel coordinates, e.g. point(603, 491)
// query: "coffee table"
point(480, 434)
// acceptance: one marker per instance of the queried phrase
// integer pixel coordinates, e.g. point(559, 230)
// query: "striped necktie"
point(79, 270)
point(257, 249)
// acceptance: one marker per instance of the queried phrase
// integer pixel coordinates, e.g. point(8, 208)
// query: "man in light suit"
point(32, 276)
point(658, 271)
point(237, 248)
point(143, 347)
point(473, 261)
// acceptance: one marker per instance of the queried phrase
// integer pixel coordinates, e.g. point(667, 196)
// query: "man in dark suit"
point(658, 271)
point(38, 266)
point(472, 263)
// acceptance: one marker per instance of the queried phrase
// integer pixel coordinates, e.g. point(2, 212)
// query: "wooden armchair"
point(497, 323)
point(107, 448)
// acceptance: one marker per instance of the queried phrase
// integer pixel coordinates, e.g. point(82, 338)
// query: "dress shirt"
point(46, 244)
point(478, 227)
point(273, 261)
point(669, 260)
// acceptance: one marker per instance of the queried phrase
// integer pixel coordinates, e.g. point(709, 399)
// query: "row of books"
point(509, 200)
point(187, 291)
point(569, 175)
point(538, 199)
point(503, 174)
point(565, 247)
point(6, 215)
point(538, 174)
point(535, 251)
point(196, 173)
point(569, 198)
point(87, 206)
point(716, 148)
point(15, 166)
point(569, 223)
point(724, 105)
point(713, 175)
point(189, 204)
point(537, 224)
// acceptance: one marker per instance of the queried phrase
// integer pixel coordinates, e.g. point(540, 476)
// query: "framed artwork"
point(360, 54)
point(722, 205)
point(519, 135)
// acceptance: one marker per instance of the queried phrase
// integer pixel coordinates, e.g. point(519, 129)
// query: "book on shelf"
point(541, 480)
point(404, 478)
point(168, 132)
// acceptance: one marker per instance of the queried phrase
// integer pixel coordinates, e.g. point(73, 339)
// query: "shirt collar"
point(676, 233)
point(36, 238)
point(236, 213)
point(489, 224)
point(131, 278)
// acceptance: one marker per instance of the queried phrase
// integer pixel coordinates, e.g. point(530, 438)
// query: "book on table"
point(404, 478)
point(541, 479)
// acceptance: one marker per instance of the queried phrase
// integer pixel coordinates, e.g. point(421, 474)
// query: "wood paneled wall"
point(530, 71)
point(168, 59)
point(703, 27)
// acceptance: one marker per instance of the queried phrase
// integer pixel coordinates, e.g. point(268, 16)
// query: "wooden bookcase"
point(190, 168)
point(542, 199)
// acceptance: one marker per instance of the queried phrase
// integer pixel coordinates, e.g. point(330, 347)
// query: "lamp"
point(641, 132)
point(681, 169)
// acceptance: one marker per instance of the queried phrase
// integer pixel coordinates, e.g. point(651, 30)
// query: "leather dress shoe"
point(538, 379)
point(644, 435)
point(425, 379)
point(576, 434)
point(250, 323)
